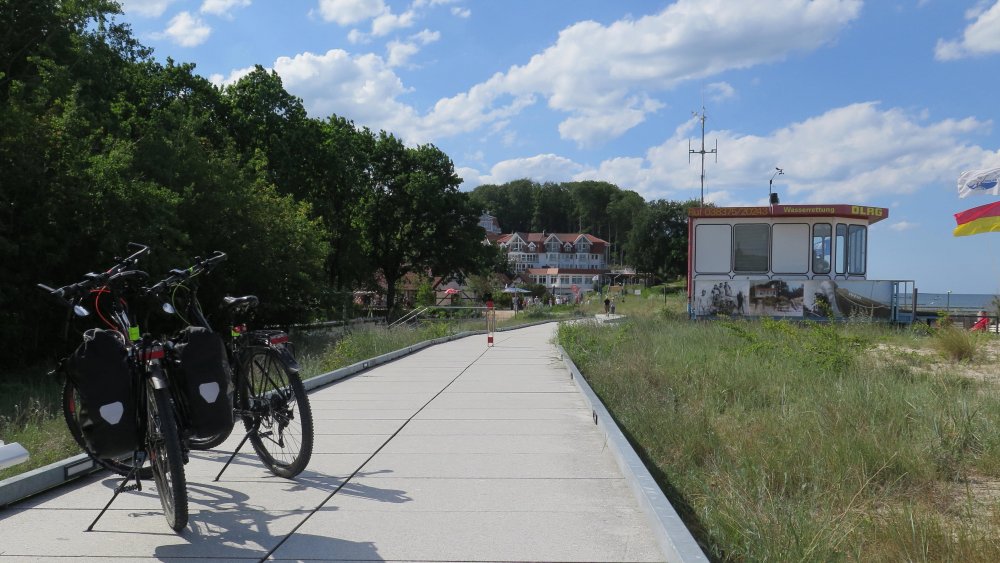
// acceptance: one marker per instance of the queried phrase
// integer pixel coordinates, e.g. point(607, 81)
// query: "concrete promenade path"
point(458, 452)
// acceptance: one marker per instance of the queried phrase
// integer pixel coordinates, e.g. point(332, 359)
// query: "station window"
point(856, 249)
point(822, 247)
point(851, 249)
point(750, 245)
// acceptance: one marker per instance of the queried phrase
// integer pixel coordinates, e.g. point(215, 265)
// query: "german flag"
point(982, 219)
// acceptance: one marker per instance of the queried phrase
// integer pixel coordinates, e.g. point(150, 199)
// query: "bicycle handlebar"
point(178, 276)
point(119, 272)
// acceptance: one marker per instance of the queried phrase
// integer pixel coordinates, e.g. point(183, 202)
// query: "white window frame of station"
point(790, 248)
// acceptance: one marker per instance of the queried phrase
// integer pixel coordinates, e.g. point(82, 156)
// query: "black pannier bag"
point(203, 376)
point(107, 415)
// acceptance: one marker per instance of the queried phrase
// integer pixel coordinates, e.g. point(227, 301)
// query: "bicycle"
point(269, 397)
point(116, 399)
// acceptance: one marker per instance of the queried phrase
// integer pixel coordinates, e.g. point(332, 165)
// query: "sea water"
point(965, 301)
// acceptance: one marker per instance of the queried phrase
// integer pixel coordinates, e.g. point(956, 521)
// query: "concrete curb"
point(675, 540)
point(39, 480)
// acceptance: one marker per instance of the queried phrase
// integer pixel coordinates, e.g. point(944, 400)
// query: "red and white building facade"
point(566, 263)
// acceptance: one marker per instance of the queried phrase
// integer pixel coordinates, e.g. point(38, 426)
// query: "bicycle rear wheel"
point(166, 457)
point(275, 410)
point(71, 411)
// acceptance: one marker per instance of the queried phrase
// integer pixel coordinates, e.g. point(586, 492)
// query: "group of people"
point(519, 303)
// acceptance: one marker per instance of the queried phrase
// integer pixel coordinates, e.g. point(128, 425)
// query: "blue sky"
point(878, 103)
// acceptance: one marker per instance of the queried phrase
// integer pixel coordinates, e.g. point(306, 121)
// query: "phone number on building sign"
point(728, 211)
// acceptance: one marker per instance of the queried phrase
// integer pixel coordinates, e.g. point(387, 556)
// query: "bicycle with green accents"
point(269, 397)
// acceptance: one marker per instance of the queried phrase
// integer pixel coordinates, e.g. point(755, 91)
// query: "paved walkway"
point(455, 453)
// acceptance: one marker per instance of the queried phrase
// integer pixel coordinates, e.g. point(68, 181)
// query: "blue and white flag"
point(979, 182)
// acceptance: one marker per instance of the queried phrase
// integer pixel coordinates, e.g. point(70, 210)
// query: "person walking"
point(607, 305)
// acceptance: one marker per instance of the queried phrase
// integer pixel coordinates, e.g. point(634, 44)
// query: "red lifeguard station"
point(804, 261)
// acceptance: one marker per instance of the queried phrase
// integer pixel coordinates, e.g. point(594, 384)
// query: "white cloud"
point(387, 22)
point(145, 8)
point(431, 3)
point(720, 91)
point(426, 36)
point(220, 80)
point(603, 92)
point(540, 168)
point(398, 53)
point(591, 126)
point(853, 154)
point(362, 88)
point(222, 7)
point(356, 36)
point(470, 177)
point(349, 12)
point(460, 12)
point(900, 226)
point(981, 37)
point(638, 58)
point(187, 30)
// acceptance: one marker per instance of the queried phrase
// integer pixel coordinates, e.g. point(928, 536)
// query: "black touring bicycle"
point(130, 399)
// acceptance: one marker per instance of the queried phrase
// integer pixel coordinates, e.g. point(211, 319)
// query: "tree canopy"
point(101, 144)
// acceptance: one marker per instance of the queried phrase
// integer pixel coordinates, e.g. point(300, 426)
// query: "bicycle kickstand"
point(237, 450)
point(122, 487)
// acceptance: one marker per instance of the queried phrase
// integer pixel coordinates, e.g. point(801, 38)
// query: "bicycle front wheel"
point(166, 457)
point(275, 410)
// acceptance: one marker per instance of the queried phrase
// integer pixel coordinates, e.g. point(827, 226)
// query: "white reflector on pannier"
point(112, 412)
point(209, 391)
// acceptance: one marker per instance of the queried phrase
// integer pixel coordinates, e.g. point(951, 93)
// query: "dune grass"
point(802, 442)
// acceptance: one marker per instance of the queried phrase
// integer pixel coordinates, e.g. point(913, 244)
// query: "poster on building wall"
point(721, 297)
point(776, 298)
point(845, 299)
point(807, 299)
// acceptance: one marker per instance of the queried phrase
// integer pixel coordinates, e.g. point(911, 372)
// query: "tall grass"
point(957, 343)
point(787, 442)
point(31, 415)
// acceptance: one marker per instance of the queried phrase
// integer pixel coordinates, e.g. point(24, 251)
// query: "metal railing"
point(407, 318)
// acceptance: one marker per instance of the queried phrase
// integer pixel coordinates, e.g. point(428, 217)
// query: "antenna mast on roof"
point(703, 152)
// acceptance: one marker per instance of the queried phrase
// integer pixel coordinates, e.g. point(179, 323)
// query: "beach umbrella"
point(515, 290)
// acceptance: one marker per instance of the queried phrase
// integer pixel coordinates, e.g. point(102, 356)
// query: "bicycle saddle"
point(229, 302)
